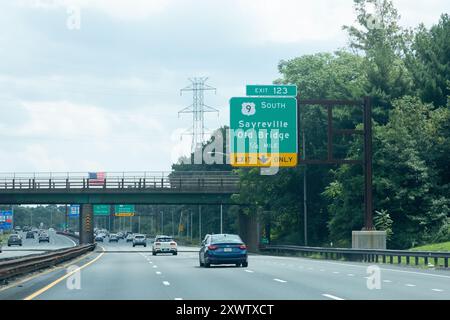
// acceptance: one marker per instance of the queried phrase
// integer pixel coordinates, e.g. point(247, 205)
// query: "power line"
point(198, 109)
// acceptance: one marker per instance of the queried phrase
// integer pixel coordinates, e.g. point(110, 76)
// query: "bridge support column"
point(249, 231)
point(86, 224)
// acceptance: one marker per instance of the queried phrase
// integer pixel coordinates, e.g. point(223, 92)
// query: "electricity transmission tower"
point(198, 108)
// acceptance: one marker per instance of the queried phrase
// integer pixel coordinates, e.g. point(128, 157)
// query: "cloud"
point(119, 9)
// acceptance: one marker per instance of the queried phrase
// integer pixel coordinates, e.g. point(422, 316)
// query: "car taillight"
point(157, 244)
point(212, 247)
point(242, 247)
point(173, 243)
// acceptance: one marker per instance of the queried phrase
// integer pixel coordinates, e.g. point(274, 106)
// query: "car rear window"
point(164, 239)
point(139, 237)
point(226, 238)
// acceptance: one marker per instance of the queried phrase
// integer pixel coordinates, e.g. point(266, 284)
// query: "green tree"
point(383, 221)
point(378, 36)
point(428, 60)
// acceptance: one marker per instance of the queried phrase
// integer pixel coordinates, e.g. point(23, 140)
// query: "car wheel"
point(244, 264)
point(200, 262)
point(175, 253)
point(134, 245)
point(145, 246)
point(154, 253)
point(238, 265)
point(207, 263)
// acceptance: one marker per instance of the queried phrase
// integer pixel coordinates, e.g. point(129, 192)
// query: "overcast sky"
point(105, 97)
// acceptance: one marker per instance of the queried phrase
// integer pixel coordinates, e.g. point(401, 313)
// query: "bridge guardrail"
point(23, 265)
point(165, 181)
point(366, 255)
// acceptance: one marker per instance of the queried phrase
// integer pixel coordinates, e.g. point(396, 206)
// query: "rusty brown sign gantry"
point(366, 162)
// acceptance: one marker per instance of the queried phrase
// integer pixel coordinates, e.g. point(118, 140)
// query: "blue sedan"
point(223, 249)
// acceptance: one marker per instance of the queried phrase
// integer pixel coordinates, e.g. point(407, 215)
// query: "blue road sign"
point(74, 211)
point(6, 219)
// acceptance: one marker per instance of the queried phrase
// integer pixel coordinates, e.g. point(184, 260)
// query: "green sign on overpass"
point(101, 209)
point(124, 210)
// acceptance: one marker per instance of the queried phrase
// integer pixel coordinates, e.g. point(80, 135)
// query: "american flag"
point(97, 178)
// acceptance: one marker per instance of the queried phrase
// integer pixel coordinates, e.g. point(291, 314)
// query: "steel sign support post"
point(368, 200)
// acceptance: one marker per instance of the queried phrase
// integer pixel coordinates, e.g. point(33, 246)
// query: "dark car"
point(14, 240)
point(223, 249)
point(43, 237)
point(99, 238)
point(30, 235)
point(113, 237)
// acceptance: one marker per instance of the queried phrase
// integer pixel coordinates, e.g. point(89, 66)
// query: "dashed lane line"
point(331, 296)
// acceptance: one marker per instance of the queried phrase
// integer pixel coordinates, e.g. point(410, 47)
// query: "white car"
point(164, 244)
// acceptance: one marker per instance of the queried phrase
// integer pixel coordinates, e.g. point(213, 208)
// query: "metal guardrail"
point(366, 255)
point(23, 265)
point(166, 181)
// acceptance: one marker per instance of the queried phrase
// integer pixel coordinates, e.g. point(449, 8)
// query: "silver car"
point(139, 240)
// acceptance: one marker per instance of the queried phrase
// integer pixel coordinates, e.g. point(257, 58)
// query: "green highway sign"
point(101, 209)
point(263, 131)
point(272, 90)
point(124, 210)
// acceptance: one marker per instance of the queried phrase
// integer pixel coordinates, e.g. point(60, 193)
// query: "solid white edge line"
point(437, 290)
point(331, 296)
point(365, 267)
point(279, 280)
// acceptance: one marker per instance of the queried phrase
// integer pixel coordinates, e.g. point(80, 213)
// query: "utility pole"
point(305, 206)
point(162, 222)
point(221, 218)
point(173, 224)
point(200, 223)
point(197, 108)
point(191, 223)
point(139, 224)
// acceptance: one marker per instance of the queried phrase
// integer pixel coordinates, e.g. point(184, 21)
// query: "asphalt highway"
point(32, 246)
point(119, 271)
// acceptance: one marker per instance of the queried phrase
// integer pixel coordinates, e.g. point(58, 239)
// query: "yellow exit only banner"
point(263, 160)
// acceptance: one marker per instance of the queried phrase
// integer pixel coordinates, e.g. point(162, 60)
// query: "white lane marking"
point(155, 266)
point(74, 243)
point(158, 272)
point(331, 296)
point(150, 262)
point(249, 271)
point(166, 283)
point(350, 274)
point(335, 272)
point(410, 285)
point(279, 280)
point(437, 290)
point(387, 281)
point(178, 299)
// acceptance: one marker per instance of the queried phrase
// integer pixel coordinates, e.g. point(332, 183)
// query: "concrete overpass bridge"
point(189, 187)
